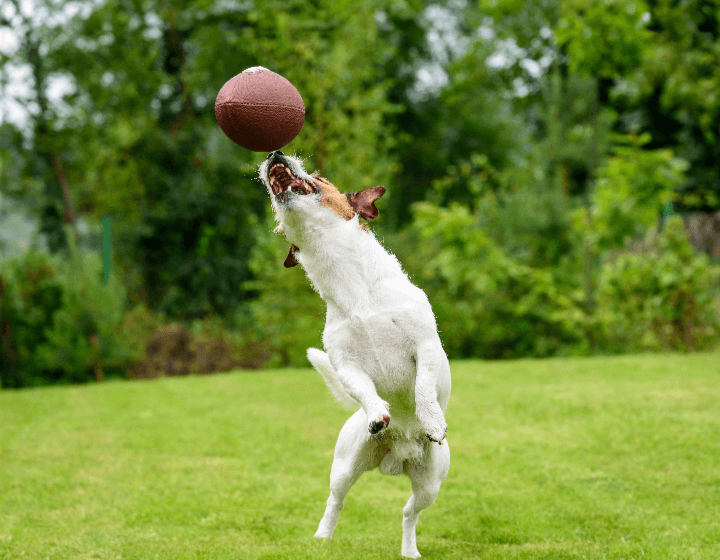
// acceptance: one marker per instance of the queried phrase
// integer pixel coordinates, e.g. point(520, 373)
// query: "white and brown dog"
point(383, 351)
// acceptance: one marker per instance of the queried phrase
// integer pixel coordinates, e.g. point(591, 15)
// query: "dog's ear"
point(291, 261)
point(363, 202)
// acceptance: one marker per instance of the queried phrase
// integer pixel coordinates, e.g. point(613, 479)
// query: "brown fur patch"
point(334, 199)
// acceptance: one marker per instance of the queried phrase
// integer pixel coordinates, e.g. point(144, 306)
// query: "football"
point(259, 110)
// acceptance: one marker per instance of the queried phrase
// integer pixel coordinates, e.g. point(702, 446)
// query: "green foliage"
point(498, 292)
point(659, 295)
point(472, 114)
point(602, 39)
point(287, 316)
point(673, 94)
point(61, 320)
point(516, 207)
point(82, 341)
point(31, 294)
point(685, 57)
point(631, 191)
point(138, 323)
point(487, 303)
point(575, 133)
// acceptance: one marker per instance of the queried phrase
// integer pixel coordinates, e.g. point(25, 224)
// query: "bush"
point(632, 188)
point(204, 347)
point(62, 324)
point(488, 304)
point(30, 293)
point(287, 316)
point(660, 294)
point(60, 321)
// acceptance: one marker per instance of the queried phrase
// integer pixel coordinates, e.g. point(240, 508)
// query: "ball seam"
point(241, 103)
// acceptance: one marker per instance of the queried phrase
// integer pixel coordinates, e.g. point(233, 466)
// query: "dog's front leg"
point(361, 388)
point(430, 362)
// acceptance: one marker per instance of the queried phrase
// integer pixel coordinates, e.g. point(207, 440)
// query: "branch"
point(62, 181)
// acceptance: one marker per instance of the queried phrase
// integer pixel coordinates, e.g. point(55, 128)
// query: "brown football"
point(259, 110)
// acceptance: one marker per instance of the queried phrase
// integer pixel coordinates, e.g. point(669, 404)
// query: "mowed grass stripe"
point(565, 458)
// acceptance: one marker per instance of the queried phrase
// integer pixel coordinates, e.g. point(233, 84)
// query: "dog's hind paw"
point(379, 424)
point(323, 534)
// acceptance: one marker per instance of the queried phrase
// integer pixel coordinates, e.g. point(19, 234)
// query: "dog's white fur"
point(384, 354)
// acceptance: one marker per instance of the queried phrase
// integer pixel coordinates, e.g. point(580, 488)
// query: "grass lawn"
point(567, 458)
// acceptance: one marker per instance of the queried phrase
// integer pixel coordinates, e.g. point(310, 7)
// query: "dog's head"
point(293, 192)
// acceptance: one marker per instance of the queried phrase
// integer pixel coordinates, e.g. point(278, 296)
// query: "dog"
point(383, 354)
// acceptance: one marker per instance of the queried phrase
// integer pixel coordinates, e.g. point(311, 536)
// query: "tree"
point(142, 145)
point(676, 93)
point(41, 171)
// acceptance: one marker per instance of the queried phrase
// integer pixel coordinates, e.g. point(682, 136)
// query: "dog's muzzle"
point(283, 181)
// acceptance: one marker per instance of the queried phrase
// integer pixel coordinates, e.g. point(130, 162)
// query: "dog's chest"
point(374, 313)
point(377, 342)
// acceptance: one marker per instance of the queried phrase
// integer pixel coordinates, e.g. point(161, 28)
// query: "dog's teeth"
point(283, 178)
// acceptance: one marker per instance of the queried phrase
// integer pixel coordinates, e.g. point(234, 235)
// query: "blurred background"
point(553, 175)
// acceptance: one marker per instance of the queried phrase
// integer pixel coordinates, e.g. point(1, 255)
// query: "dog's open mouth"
point(283, 181)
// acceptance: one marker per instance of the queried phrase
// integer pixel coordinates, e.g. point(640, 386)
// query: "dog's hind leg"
point(426, 477)
point(355, 453)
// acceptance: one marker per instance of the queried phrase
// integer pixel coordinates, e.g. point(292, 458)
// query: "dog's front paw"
point(432, 420)
point(438, 434)
point(379, 424)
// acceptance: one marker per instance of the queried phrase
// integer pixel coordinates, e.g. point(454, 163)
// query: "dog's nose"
point(274, 154)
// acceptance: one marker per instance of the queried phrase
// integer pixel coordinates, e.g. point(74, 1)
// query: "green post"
point(106, 248)
point(668, 210)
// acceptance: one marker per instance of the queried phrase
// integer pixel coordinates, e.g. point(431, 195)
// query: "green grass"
point(572, 458)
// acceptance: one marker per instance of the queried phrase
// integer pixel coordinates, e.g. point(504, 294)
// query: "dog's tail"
point(321, 363)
